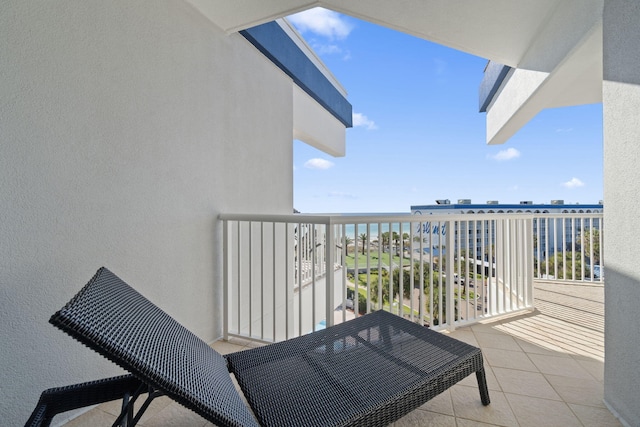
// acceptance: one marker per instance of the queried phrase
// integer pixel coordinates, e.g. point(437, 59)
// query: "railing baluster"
point(312, 249)
point(299, 277)
point(411, 277)
point(226, 268)
point(368, 269)
point(287, 256)
point(262, 239)
point(329, 274)
point(273, 279)
point(421, 259)
point(356, 269)
point(400, 273)
point(450, 297)
point(343, 237)
point(380, 244)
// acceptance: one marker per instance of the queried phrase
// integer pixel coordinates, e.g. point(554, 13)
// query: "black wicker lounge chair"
point(369, 371)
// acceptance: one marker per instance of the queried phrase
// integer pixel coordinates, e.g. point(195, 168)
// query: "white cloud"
point(318, 164)
point(322, 22)
point(362, 120)
point(563, 130)
point(327, 49)
point(508, 154)
point(573, 183)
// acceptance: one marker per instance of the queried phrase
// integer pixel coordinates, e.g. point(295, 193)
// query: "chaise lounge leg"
point(482, 386)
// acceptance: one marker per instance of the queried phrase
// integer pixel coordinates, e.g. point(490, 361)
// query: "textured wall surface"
point(126, 127)
point(621, 109)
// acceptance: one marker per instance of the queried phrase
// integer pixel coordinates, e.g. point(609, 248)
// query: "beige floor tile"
point(440, 404)
point(497, 341)
point(420, 418)
point(582, 391)
point(112, 407)
point(594, 417)
point(242, 342)
point(492, 383)
point(467, 405)
point(465, 335)
point(534, 412)
point(525, 383)
point(157, 405)
point(594, 367)
point(175, 415)
point(509, 359)
point(535, 346)
point(95, 417)
point(562, 366)
point(225, 347)
point(470, 423)
point(485, 327)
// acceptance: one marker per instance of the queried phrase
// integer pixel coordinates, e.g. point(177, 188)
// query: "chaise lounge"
point(369, 371)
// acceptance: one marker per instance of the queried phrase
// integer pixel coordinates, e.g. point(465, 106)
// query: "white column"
point(621, 111)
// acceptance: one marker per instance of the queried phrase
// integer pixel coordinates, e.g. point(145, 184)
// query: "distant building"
point(551, 233)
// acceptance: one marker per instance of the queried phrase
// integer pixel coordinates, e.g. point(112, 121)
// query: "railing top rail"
point(331, 219)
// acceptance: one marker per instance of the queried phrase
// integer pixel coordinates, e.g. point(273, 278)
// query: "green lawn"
point(362, 260)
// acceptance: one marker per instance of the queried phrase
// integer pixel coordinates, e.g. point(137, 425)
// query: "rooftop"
point(543, 368)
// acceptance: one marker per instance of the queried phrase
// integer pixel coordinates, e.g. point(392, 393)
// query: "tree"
point(385, 240)
point(374, 287)
point(363, 238)
point(589, 235)
point(396, 241)
point(435, 315)
point(406, 282)
point(557, 264)
point(347, 241)
point(406, 240)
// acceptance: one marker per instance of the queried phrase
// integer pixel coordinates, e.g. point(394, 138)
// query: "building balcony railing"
point(287, 275)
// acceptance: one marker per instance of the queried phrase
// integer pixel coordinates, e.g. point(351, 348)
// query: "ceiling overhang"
point(501, 30)
point(556, 38)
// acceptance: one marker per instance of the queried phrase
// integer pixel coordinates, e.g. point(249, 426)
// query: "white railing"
point(287, 275)
point(568, 247)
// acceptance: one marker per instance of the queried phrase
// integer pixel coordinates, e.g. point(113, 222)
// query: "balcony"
point(538, 319)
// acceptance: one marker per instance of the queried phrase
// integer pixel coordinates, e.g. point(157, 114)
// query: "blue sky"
point(418, 135)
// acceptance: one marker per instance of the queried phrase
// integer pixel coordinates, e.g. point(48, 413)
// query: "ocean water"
point(373, 233)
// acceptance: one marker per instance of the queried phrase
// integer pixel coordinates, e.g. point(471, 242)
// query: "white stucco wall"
point(316, 126)
point(621, 110)
point(125, 128)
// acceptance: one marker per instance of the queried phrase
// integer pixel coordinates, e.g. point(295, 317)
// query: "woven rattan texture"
point(368, 371)
point(110, 317)
point(61, 399)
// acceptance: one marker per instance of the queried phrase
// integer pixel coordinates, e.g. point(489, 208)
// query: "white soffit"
point(501, 30)
point(576, 80)
point(236, 15)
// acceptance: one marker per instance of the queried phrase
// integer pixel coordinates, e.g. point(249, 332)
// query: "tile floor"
point(544, 368)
